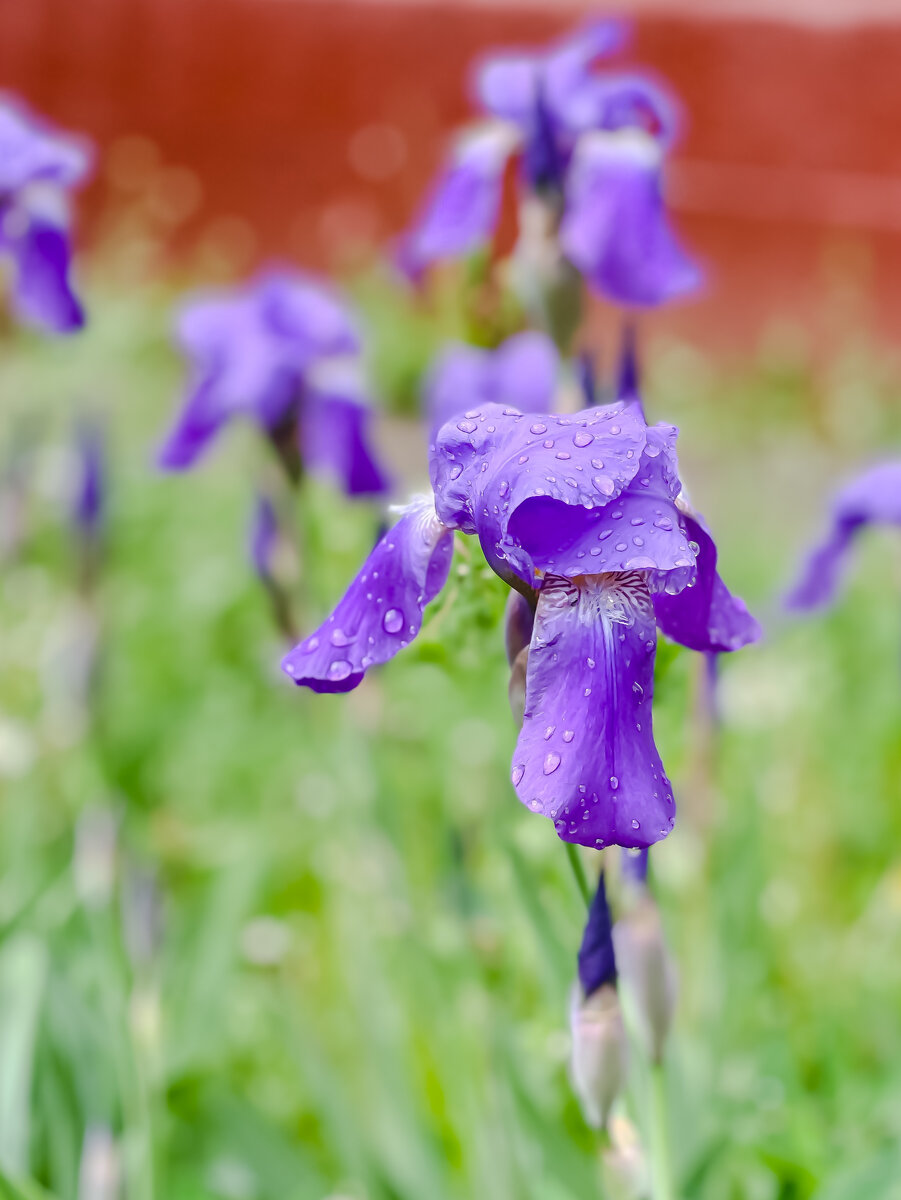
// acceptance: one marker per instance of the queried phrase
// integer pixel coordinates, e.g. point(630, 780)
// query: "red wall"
point(788, 181)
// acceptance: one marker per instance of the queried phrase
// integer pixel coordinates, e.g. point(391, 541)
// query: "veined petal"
point(586, 756)
point(463, 208)
point(615, 228)
point(705, 616)
point(381, 612)
point(335, 437)
point(874, 497)
point(42, 293)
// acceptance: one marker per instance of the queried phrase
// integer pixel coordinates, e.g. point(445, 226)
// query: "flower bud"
point(648, 971)
point(517, 687)
point(519, 618)
point(599, 1062)
point(100, 1169)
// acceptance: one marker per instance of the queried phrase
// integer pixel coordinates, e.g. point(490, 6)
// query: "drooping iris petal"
point(381, 612)
point(615, 228)
point(874, 497)
point(597, 959)
point(198, 422)
point(463, 208)
point(521, 373)
point(42, 292)
point(586, 756)
point(706, 616)
point(336, 438)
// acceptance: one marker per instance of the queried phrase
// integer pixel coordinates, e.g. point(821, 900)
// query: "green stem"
point(661, 1167)
point(578, 870)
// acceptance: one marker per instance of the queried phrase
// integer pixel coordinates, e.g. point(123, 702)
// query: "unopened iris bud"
point(648, 972)
point(599, 1062)
point(100, 1169)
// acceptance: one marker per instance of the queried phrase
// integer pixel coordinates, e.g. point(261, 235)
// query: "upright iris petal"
point(615, 228)
point(586, 756)
point(874, 497)
point(42, 292)
point(381, 612)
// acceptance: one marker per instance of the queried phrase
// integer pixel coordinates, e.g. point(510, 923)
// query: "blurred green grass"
point(334, 956)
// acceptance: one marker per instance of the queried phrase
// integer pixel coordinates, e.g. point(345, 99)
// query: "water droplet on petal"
point(614, 782)
point(467, 426)
point(568, 735)
point(551, 763)
point(455, 472)
point(339, 638)
point(340, 669)
point(583, 438)
point(635, 824)
point(604, 484)
point(310, 645)
point(517, 774)
point(538, 428)
point(393, 621)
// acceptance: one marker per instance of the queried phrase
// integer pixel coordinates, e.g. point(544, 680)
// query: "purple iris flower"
point(577, 513)
point(593, 143)
point(284, 352)
point(523, 371)
point(38, 168)
point(872, 498)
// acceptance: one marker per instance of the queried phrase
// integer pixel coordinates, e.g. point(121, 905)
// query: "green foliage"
point(332, 955)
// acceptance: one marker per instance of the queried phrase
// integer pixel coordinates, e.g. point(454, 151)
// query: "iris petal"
point(586, 756)
point(336, 438)
point(42, 294)
point(615, 229)
point(381, 612)
point(463, 208)
point(705, 617)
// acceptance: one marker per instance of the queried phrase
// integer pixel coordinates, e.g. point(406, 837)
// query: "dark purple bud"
point(262, 541)
point(597, 960)
point(89, 495)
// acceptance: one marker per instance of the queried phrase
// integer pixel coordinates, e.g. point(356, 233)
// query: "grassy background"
point(333, 955)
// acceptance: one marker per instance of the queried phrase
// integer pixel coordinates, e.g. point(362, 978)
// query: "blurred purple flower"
point(89, 492)
point(38, 168)
point(579, 514)
point(522, 371)
point(872, 498)
point(262, 541)
point(282, 351)
point(595, 141)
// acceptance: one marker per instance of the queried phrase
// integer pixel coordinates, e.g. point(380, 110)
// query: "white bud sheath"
point(648, 972)
point(600, 1052)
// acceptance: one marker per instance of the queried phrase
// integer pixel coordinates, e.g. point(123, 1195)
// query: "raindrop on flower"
point(551, 763)
point(517, 774)
point(340, 669)
point(393, 621)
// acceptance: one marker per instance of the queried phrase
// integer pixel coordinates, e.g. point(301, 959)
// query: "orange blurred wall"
point(319, 122)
